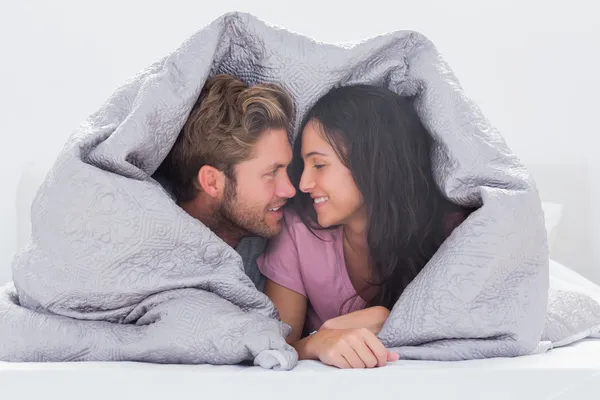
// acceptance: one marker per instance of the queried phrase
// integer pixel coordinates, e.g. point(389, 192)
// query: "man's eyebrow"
point(275, 166)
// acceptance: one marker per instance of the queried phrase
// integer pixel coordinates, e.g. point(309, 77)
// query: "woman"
point(367, 217)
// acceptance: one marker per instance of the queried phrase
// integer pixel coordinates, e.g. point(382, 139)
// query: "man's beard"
point(239, 219)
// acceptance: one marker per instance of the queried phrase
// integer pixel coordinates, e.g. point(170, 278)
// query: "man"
point(228, 167)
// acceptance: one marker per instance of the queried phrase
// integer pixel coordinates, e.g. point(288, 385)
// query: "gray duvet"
point(115, 270)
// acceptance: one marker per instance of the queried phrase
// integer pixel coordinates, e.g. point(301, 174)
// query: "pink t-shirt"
point(312, 266)
point(315, 267)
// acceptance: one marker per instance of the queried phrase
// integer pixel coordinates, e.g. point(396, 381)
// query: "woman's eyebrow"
point(314, 153)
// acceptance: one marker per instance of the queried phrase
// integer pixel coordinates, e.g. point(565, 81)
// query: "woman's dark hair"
point(378, 136)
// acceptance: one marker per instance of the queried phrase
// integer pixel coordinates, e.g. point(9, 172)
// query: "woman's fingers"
point(376, 347)
point(391, 356)
point(340, 362)
point(363, 350)
point(353, 348)
point(350, 353)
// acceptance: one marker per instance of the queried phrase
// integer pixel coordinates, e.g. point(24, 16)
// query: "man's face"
point(254, 202)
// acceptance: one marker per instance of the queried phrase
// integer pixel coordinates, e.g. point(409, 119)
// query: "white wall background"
point(533, 67)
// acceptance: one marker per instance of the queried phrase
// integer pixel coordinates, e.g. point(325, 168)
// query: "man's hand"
point(371, 318)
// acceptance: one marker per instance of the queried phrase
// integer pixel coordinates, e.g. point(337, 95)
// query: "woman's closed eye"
point(318, 166)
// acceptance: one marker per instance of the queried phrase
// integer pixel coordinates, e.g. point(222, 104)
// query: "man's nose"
point(286, 189)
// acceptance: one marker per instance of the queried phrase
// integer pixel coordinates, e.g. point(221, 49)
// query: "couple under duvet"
point(351, 208)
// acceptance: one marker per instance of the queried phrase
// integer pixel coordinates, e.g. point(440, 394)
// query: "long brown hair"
point(381, 140)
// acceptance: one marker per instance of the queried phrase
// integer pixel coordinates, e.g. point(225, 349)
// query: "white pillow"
point(552, 215)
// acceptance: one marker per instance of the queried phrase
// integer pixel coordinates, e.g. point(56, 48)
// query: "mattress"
point(571, 372)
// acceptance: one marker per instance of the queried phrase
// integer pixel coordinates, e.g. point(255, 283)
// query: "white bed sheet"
point(572, 372)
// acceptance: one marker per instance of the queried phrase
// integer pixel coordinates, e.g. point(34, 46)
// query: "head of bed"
point(567, 184)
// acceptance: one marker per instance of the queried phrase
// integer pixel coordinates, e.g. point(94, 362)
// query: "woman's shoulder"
point(293, 247)
point(291, 217)
point(297, 228)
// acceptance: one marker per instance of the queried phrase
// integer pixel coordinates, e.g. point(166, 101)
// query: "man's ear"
point(211, 181)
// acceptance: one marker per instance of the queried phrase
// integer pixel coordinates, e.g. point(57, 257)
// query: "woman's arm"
point(291, 306)
point(371, 318)
point(344, 348)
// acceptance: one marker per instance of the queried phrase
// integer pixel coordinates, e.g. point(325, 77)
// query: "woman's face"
point(335, 196)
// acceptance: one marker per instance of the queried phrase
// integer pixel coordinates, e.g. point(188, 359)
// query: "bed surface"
point(570, 372)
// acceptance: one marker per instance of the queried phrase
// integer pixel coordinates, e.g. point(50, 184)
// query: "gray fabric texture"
point(115, 270)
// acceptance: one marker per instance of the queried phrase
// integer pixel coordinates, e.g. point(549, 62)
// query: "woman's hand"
point(371, 318)
point(349, 348)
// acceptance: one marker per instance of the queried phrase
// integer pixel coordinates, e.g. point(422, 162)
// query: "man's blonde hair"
point(222, 128)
